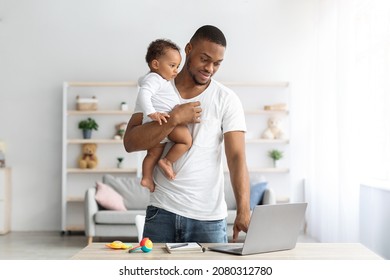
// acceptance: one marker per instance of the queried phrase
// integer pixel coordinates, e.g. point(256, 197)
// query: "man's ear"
point(154, 64)
point(188, 48)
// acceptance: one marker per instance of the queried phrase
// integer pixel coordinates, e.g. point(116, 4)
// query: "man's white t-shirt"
point(155, 94)
point(197, 192)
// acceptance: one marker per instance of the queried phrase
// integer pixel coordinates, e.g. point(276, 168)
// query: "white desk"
point(302, 251)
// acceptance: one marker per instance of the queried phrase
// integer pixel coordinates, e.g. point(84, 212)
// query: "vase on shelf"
point(120, 162)
point(87, 133)
point(124, 106)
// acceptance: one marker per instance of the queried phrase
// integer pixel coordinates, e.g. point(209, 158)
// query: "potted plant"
point(275, 155)
point(87, 126)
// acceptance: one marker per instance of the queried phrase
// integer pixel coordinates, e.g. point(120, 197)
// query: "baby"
point(156, 98)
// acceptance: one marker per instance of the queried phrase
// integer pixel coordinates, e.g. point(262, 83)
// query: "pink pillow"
point(108, 198)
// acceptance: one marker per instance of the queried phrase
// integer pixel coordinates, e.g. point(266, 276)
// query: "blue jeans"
point(163, 226)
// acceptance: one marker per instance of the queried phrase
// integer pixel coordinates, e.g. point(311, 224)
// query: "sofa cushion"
point(134, 195)
point(258, 182)
point(115, 217)
point(256, 194)
point(108, 198)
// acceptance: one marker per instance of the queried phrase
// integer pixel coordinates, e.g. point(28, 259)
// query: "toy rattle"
point(146, 245)
point(118, 245)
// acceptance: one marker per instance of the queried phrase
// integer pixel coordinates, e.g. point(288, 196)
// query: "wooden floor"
point(40, 245)
point(51, 245)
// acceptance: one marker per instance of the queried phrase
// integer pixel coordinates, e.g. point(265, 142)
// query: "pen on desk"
point(179, 245)
point(203, 248)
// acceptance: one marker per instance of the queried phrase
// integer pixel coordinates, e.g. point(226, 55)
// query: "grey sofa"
point(100, 222)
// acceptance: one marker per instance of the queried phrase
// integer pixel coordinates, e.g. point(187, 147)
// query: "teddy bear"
point(88, 159)
point(274, 130)
point(120, 130)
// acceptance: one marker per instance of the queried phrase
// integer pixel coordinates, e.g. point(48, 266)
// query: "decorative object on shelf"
point(276, 107)
point(274, 129)
point(124, 106)
point(276, 155)
point(120, 130)
point(86, 104)
point(2, 154)
point(120, 162)
point(87, 126)
point(88, 159)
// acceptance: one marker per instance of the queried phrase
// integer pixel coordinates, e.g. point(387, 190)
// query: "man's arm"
point(140, 137)
point(239, 177)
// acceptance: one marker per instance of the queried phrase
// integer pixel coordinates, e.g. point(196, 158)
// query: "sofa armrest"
point(269, 197)
point(90, 209)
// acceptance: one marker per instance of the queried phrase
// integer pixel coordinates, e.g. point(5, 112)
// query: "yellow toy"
point(119, 245)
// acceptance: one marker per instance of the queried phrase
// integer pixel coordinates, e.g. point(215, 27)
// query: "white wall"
point(45, 42)
point(374, 208)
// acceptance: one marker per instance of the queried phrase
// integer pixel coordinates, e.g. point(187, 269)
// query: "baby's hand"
point(159, 117)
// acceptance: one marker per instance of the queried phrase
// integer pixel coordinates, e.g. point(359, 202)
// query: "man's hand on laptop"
point(241, 223)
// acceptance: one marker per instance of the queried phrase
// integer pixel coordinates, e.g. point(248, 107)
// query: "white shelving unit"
point(5, 200)
point(75, 181)
point(254, 96)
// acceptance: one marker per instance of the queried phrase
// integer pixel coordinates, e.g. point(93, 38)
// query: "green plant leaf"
point(88, 124)
point(275, 154)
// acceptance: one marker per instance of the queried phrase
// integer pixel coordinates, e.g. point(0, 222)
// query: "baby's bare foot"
point(148, 183)
point(167, 168)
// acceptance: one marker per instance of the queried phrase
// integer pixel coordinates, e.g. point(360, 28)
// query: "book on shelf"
point(276, 107)
point(186, 247)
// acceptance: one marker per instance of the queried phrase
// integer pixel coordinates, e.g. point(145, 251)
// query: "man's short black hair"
point(158, 48)
point(209, 33)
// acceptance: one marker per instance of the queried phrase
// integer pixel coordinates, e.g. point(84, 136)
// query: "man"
point(192, 206)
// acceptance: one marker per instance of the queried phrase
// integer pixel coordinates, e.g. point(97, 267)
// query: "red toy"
point(146, 245)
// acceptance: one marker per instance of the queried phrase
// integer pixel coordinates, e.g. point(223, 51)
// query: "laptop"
point(273, 227)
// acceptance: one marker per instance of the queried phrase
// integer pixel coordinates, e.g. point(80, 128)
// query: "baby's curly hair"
point(157, 49)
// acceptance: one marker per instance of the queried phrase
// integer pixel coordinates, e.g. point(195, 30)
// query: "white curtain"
point(349, 126)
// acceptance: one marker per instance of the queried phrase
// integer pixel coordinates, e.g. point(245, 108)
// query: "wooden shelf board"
point(98, 112)
point(267, 112)
point(265, 170)
point(267, 141)
point(102, 170)
point(269, 170)
point(114, 141)
point(96, 141)
point(102, 84)
point(256, 84)
point(74, 199)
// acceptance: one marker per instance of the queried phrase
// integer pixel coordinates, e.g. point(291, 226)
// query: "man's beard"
point(198, 83)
